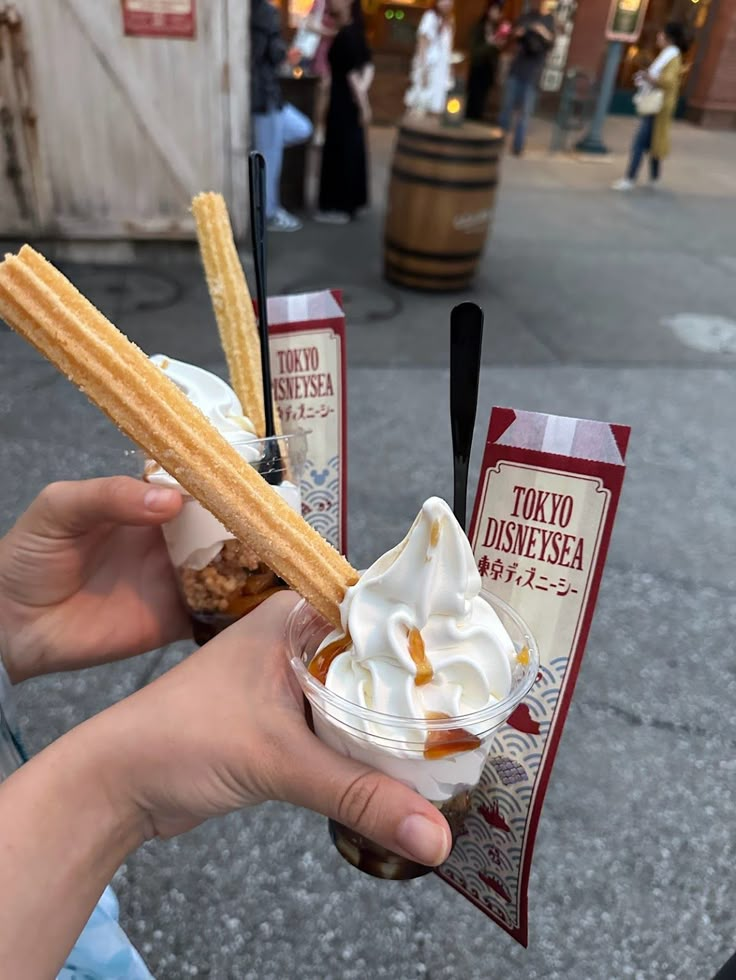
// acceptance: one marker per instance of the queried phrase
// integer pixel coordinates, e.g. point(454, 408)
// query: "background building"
point(113, 113)
point(709, 90)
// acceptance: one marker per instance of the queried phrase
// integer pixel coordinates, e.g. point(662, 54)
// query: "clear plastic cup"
point(221, 580)
point(442, 759)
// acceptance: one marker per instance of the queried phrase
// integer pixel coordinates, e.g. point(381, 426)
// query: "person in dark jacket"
point(343, 188)
point(487, 38)
point(534, 34)
point(275, 124)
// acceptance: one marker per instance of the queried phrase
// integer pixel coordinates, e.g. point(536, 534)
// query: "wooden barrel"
point(440, 203)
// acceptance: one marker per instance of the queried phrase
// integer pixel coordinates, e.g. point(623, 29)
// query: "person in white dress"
point(431, 72)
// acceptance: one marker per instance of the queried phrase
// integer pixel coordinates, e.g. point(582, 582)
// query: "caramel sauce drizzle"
point(434, 534)
point(449, 742)
point(322, 661)
point(424, 673)
point(239, 605)
point(523, 657)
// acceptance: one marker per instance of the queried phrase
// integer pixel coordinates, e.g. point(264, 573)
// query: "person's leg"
point(296, 127)
point(479, 83)
point(655, 169)
point(268, 140)
point(320, 108)
point(528, 98)
point(642, 142)
point(510, 98)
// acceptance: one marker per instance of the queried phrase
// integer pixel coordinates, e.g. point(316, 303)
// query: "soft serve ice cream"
point(419, 642)
point(195, 538)
point(221, 578)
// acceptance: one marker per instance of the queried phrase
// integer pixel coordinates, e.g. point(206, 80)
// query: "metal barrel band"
point(455, 185)
point(410, 151)
point(414, 253)
point(399, 272)
point(413, 134)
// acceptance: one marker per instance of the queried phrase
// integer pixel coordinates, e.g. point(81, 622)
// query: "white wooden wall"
point(129, 128)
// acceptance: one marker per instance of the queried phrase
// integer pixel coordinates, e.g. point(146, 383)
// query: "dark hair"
point(677, 34)
point(357, 14)
point(496, 5)
point(450, 19)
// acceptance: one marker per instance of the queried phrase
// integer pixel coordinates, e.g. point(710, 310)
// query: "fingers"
point(294, 766)
point(383, 810)
point(71, 508)
point(309, 773)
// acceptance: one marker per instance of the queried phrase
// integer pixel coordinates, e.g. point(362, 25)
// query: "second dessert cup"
point(221, 579)
point(442, 759)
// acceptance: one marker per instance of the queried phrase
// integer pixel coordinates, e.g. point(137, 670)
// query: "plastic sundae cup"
point(441, 758)
point(222, 580)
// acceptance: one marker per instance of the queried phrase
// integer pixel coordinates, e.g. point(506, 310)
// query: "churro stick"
point(43, 306)
point(232, 304)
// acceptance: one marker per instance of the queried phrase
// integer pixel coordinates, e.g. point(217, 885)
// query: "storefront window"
point(693, 13)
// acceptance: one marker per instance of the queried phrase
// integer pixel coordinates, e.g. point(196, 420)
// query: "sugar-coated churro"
point(39, 303)
point(232, 304)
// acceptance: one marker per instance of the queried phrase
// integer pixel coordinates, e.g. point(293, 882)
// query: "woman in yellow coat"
point(653, 134)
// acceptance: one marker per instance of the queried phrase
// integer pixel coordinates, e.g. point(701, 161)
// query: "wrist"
point(65, 830)
point(17, 662)
point(8, 666)
point(17, 639)
point(100, 762)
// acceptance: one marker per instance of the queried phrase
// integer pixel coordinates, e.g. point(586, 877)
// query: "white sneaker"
point(332, 217)
point(283, 221)
point(622, 184)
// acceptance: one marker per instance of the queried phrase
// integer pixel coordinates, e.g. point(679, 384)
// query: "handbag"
point(649, 102)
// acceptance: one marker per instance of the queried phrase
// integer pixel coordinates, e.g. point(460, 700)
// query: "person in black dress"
point(343, 189)
point(486, 41)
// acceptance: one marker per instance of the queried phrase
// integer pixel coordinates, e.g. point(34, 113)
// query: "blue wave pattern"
point(320, 487)
point(486, 862)
point(103, 951)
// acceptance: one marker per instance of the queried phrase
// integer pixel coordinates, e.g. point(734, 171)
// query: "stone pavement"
point(597, 305)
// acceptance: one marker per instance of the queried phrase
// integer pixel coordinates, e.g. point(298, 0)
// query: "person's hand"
point(85, 577)
point(225, 729)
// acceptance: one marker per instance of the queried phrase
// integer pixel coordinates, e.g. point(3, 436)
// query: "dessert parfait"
point(419, 676)
point(221, 578)
point(409, 667)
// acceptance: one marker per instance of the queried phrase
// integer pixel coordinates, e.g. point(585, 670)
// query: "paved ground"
point(597, 305)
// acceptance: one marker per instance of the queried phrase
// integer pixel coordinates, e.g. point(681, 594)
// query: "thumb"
point(380, 808)
point(70, 508)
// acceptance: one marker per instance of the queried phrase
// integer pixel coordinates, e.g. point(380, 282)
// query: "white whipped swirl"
point(216, 400)
point(195, 538)
point(430, 583)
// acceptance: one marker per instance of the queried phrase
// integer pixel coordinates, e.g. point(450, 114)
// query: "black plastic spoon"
point(466, 340)
point(271, 466)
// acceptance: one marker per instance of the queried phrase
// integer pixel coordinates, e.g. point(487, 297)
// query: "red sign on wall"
point(159, 18)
